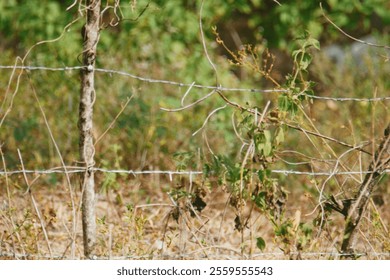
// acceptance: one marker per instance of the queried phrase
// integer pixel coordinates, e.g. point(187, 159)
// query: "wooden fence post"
point(90, 33)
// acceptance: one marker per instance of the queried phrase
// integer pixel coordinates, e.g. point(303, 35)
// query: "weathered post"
point(90, 33)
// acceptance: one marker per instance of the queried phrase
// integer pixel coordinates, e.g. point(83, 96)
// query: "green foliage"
point(111, 180)
point(226, 171)
point(42, 21)
point(294, 17)
point(299, 88)
point(260, 243)
point(184, 160)
point(24, 128)
point(249, 178)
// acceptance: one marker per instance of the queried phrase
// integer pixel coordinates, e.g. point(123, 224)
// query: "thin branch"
point(114, 120)
point(355, 211)
point(13, 95)
point(349, 36)
point(62, 162)
point(187, 92)
point(358, 148)
point(204, 44)
point(189, 105)
point(207, 119)
point(277, 2)
point(64, 31)
point(35, 206)
point(11, 218)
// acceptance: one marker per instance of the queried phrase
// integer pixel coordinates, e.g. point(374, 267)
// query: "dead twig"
point(35, 206)
point(357, 208)
point(349, 36)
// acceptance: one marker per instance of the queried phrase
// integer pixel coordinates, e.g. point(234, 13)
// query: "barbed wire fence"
point(190, 173)
point(67, 170)
point(78, 169)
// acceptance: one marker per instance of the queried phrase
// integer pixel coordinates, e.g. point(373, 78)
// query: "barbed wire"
point(179, 84)
point(221, 88)
point(148, 80)
point(71, 170)
point(328, 173)
point(373, 99)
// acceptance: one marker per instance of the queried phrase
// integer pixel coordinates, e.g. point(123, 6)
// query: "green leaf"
point(109, 182)
point(279, 136)
point(311, 42)
point(263, 174)
point(267, 149)
point(260, 200)
point(283, 102)
point(283, 229)
point(295, 54)
point(305, 61)
point(267, 135)
point(293, 108)
point(260, 243)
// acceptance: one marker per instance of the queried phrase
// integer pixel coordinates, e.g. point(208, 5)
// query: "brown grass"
point(136, 221)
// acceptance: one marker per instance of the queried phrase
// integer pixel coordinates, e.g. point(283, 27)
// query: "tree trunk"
point(355, 212)
point(90, 33)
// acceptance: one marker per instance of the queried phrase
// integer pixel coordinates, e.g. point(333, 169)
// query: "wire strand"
point(194, 85)
point(169, 172)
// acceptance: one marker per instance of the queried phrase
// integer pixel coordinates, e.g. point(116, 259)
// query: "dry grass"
point(139, 221)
